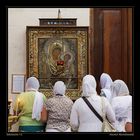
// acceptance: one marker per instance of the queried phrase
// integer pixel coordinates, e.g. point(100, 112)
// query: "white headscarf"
point(59, 88)
point(119, 88)
point(123, 110)
point(33, 84)
point(88, 86)
point(106, 81)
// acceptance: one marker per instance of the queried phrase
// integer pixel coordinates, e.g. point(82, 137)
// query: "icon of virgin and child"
point(60, 61)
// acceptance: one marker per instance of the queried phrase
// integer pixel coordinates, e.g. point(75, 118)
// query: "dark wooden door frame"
point(96, 44)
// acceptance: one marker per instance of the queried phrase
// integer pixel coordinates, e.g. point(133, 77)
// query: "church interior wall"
point(18, 19)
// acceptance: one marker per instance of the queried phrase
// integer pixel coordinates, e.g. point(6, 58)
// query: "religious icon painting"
point(58, 54)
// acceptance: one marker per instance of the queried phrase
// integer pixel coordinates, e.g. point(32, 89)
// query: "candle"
point(17, 107)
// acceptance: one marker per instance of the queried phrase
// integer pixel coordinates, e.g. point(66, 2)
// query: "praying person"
point(82, 119)
point(122, 105)
point(105, 82)
point(58, 110)
point(30, 107)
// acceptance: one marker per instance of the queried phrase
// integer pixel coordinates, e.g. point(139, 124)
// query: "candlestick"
point(9, 105)
point(17, 107)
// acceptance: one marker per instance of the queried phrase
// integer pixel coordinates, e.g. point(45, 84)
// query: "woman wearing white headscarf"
point(82, 118)
point(29, 106)
point(58, 110)
point(106, 81)
point(121, 104)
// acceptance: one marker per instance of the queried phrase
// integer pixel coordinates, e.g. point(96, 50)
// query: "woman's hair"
point(119, 88)
point(88, 86)
point(32, 83)
point(105, 81)
point(59, 88)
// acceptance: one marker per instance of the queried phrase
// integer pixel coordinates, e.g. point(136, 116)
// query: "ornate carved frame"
point(80, 33)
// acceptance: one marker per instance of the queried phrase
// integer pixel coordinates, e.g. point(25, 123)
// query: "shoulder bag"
point(107, 126)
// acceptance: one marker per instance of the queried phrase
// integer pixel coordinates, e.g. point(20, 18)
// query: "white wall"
point(18, 19)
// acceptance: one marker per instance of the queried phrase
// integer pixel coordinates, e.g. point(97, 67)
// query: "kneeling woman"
point(30, 106)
